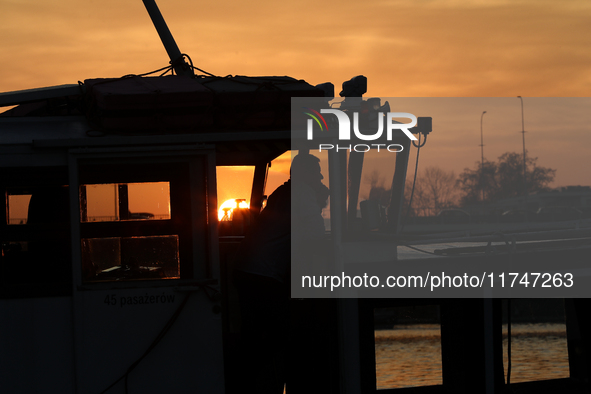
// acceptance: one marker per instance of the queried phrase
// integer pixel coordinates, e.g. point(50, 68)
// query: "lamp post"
point(482, 156)
point(523, 136)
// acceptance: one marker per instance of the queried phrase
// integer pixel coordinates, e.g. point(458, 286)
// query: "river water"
point(410, 355)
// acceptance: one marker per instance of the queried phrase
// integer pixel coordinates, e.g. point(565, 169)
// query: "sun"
point(229, 206)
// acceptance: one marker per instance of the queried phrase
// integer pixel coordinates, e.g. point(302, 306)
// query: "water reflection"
point(538, 352)
point(410, 355)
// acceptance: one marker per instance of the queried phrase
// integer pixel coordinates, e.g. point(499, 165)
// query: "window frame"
point(190, 171)
point(31, 179)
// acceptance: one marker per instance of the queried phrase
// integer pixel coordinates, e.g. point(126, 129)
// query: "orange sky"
point(406, 48)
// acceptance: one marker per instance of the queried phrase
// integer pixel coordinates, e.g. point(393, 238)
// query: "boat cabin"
point(116, 264)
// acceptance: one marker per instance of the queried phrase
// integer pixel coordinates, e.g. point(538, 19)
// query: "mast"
point(181, 67)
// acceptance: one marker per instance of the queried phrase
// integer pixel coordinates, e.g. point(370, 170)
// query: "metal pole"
point(489, 352)
point(180, 66)
point(523, 136)
point(482, 156)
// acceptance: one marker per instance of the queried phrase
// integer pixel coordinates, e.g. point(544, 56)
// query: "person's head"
point(306, 168)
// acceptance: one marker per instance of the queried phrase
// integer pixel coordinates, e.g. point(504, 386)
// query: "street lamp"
point(482, 157)
point(523, 136)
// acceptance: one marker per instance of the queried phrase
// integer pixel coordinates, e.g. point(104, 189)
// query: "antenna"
point(176, 57)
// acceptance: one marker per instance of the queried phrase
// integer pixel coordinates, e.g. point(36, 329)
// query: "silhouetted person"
point(262, 275)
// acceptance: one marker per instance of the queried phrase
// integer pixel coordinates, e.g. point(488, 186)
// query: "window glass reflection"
point(128, 201)
point(130, 258)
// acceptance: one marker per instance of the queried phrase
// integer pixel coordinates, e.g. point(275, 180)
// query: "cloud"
point(429, 48)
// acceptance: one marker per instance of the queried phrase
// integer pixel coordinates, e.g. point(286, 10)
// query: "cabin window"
point(539, 349)
point(142, 222)
point(127, 201)
point(17, 208)
point(128, 258)
point(234, 187)
point(36, 245)
point(233, 183)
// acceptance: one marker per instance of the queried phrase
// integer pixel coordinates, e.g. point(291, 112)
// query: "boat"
point(139, 301)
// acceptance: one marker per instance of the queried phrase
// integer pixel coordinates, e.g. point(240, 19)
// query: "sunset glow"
point(230, 205)
point(436, 48)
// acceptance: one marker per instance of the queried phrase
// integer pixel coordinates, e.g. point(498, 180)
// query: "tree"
point(435, 190)
point(492, 181)
point(479, 184)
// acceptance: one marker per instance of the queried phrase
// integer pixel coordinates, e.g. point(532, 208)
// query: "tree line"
point(489, 181)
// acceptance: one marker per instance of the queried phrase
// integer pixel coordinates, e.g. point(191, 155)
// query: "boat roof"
point(38, 94)
point(33, 134)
